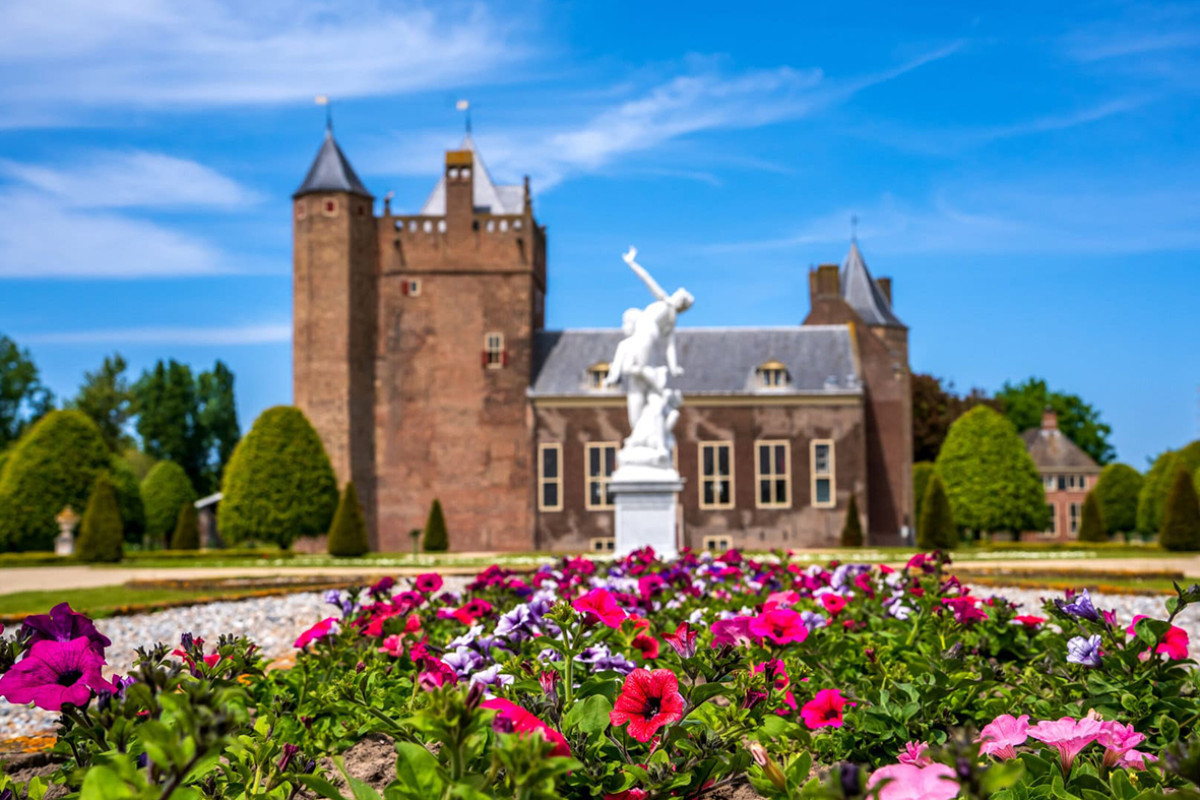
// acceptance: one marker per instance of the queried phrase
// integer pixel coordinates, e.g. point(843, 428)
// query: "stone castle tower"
point(413, 347)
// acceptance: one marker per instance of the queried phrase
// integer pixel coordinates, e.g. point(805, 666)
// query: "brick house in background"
point(421, 357)
point(1068, 474)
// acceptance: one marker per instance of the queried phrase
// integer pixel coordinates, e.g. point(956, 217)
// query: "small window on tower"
point(301, 209)
point(414, 287)
point(597, 374)
point(772, 375)
point(330, 208)
point(493, 350)
point(466, 173)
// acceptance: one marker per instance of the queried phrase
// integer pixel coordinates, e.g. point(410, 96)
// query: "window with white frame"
point(716, 475)
point(550, 495)
point(824, 490)
point(493, 350)
point(1048, 483)
point(1074, 517)
point(600, 463)
point(772, 375)
point(717, 544)
point(772, 465)
point(597, 374)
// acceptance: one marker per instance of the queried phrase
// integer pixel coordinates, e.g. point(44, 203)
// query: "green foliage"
point(1181, 517)
point(218, 416)
point(105, 396)
point(140, 462)
point(936, 529)
point(1153, 497)
point(279, 484)
point(129, 499)
point(852, 532)
point(935, 407)
point(921, 473)
point(990, 479)
point(101, 538)
point(53, 465)
point(1092, 527)
point(1117, 492)
point(1080, 422)
point(348, 536)
point(187, 529)
point(23, 399)
point(436, 539)
point(165, 490)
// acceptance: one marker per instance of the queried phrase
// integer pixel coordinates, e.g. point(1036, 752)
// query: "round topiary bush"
point(101, 535)
point(1181, 516)
point(436, 540)
point(348, 536)
point(166, 489)
point(187, 529)
point(279, 484)
point(1117, 492)
point(1153, 498)
point(52, 466)
point(852, 531)
point(129, 499)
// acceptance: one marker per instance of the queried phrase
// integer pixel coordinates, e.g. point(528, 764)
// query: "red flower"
point(834, 603)
point(648, 701)
point(428, 582)
point(524, 722)
point(824, 710)
point(1030, 621)
point(1174, 644)
point(782, 626)
point(477, 607)
point(682, 641)
point(647, 644)
point(599, 605)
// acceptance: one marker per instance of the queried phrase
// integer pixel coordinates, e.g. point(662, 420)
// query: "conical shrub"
point(348, 536)
point(436, 539)
point(1091, 527)
point(936, 529)
point(1181, 515)
point(187, 529)
point(852, 532)
point(101, 535)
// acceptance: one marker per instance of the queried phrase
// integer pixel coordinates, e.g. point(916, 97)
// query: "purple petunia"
point(1084, 651)
point(55, 673)
point(64, 625)
point(1080, 607)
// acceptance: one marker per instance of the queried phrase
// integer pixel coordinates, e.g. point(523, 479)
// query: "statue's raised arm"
point(641, 272)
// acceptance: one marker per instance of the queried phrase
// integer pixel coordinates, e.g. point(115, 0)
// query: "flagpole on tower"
point(465, 106)
point(323, 100)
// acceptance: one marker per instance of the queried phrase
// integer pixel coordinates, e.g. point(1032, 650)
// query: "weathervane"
point(323, 100)
point(465, 106)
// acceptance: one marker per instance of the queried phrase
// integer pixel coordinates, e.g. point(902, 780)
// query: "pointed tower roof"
point(862, 293)
point(331, 172)
point(488, 197)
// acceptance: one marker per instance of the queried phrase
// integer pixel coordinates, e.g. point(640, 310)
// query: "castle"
point(421, 356)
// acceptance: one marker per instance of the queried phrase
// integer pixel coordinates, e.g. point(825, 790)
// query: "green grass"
point(105, 601)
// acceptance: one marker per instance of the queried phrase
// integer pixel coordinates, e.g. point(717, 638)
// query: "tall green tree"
point(990, 479)
point(436, 539)
point(1117, 492)
point(936, 528)
point(1024, 403)
point(348, 535)
point(107, 398)
point(23, 398)
point(921, 473)
point(1092, 527)
point(852, 531)
point(1181, 518)
point(935, 407)
point(1157, 484)
point(165, 490)
point(168, 418)
point(218, 417)
point(100, 537)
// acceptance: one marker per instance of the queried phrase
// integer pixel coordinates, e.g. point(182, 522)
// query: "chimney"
point(1049, 420)
point(460, 188)
point(885, 286)
point(824, 282)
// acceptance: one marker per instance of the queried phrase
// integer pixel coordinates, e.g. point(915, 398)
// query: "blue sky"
point(1027, 173)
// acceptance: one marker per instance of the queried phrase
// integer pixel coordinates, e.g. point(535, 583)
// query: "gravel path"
point(274, 623)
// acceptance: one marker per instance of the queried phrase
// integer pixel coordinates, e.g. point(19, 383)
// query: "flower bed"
point(637, 679)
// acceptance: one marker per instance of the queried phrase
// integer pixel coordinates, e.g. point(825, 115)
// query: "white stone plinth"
point(64, 544)
point(646, 514)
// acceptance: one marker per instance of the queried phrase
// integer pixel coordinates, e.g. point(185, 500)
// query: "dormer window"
point(597, 374)
point(772, 375)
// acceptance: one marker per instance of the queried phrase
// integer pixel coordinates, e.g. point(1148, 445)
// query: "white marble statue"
point(645, 360)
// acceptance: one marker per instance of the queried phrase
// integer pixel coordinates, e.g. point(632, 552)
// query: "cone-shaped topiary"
point(436, 539)
point(348, 536)
point(166, 489)
point(1091, 527)
point(187, 529)
point(52, 466)
point(279, 484)
point(852, 532)
point(129, 499)
point(101, 537)
point(921, 472)
point(936, 529)
point(1181, 516)
point(1117, 492)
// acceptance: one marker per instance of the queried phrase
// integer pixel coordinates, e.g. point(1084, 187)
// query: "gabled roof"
point(1052, 451)
point(489, 198)
point(862, 293)
point(331, 172)
point(820, 359)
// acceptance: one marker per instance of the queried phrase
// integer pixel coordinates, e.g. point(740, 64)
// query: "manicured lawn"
point(105, 601)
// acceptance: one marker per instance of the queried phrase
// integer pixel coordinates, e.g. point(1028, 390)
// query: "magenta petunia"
point(781, 626)
point(600, 605)
point(428, 582)
point(525, 722)
point(824, 710)
point(55, 673)
point(64, 625)
point(734, 632)
point(322, 629)
point(1000, 736)
point(1174, 645)
point(833, 603)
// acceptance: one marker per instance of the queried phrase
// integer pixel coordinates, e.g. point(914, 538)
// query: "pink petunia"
point(1135, 759)
point(734, 632)
point(55, 673)
point(1068, 736)
point(916, 754)
point(824, 710)
point(393, 645)
point(599, 605)
point(1029, 620)
point(834, 603)
point(1002, 734)
point(1174, 645)
point(1117, 740)
point(780, 600)
point(322, 629)
point(910, 782)
point(781, 626)
point(524, 723)
point(428, 582)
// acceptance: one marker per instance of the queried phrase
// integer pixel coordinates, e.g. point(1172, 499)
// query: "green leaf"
point(1003, 775)
point(590, 716)
point(321, 786)
point(103, 783)
point(707, 691)
point(419, 770)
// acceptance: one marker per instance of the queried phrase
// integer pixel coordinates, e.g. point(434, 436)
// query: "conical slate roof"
point(488, 197)
point(331, 172)
point(862, 293)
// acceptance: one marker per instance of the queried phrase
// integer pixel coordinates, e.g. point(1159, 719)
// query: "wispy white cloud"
point(1153, 44)
point(702, 99)
point(276, 333)
point(76, 55)
point(131, 180)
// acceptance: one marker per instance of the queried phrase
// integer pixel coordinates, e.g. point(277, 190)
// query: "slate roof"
point(717, 361)
point(863, 294)
point(1052, 451)
point(489, 198)
point(331, 172)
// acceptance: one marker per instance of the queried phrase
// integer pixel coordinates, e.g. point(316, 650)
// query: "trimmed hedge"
point(1152, 499)
point(348, 536)
point(1117, 492)
point(53, 465)
point(921, 473)
point(1181, 517)
point(936, 529)
point(101, 538)
point(1092, 527)
point(166, 489)
point(436, 539)
point(129, 500)
point(279, 484)
point(852, 531)
point(187, 529)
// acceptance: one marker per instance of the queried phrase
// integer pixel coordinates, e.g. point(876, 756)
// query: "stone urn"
point(64, 543)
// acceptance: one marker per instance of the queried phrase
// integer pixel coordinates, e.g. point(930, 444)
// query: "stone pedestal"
point(64, 543)
point(646, 500)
